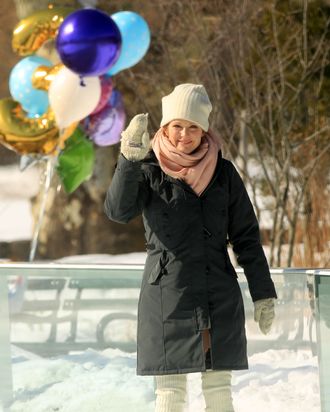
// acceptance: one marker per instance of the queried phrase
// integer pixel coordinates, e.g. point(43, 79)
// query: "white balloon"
point(72, 98)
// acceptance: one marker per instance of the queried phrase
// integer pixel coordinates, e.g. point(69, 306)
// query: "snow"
point(15, 220)
point(277, 381)
point(16, 190)
point(104, 381)
point(102, 258)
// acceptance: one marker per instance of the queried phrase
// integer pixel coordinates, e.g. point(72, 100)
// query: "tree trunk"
point(76, 224)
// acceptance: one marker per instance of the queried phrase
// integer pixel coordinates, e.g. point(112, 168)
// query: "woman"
point(190, 315)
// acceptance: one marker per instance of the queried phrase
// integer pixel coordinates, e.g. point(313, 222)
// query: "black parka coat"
point(189, 283)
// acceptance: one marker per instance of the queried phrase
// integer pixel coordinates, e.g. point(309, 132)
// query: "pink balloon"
point(106, 90)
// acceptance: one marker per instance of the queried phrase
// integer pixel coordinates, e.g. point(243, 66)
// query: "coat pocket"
point(158, 270)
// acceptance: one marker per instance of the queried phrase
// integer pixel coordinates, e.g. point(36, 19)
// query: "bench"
point(79, 303)
point(60, 309)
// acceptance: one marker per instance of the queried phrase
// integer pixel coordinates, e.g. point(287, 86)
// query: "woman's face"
point(184, 135)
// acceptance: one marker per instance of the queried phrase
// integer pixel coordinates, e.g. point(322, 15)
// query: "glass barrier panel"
point(322, 289)
point(73, 343)
point(6, 388)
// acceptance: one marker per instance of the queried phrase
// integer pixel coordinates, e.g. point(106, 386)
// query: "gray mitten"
point(135, 140)
point(264, 314)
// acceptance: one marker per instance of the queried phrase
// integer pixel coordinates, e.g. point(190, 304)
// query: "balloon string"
point(60, 143)
point(48, 177)
point(82, 82)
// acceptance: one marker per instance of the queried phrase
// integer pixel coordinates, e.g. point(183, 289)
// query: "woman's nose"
point(184, 131)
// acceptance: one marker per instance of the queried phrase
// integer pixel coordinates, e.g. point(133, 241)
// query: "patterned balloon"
point(34, 102)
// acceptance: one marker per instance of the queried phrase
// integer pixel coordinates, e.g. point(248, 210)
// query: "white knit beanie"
point(188, 102)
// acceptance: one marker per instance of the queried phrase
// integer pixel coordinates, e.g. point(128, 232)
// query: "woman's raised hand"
point(135, 140)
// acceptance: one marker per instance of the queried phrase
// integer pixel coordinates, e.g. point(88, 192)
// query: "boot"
point(171, 393)
point(216, 387)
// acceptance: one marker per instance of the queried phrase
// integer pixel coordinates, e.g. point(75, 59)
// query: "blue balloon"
point(88, 42)
point(135, 36)
point(32, 100)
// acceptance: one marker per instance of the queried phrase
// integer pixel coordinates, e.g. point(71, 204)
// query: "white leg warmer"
point(171, 393)
point(216, 386)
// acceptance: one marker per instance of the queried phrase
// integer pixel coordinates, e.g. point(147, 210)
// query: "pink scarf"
point(196, 168)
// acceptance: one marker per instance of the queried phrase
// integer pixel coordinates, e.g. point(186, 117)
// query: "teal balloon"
point(135, 36)
point(33, 101)
point(76, 161)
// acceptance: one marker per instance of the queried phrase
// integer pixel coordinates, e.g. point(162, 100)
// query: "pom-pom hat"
point(188, 102)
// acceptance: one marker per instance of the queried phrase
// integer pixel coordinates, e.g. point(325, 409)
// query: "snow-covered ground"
point(16, 190)
point(277, 381)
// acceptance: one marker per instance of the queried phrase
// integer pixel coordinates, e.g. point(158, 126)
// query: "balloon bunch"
point(62, 105)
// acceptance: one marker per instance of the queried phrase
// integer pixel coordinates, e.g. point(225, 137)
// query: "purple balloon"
point(88, 42)
point(105, 127)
